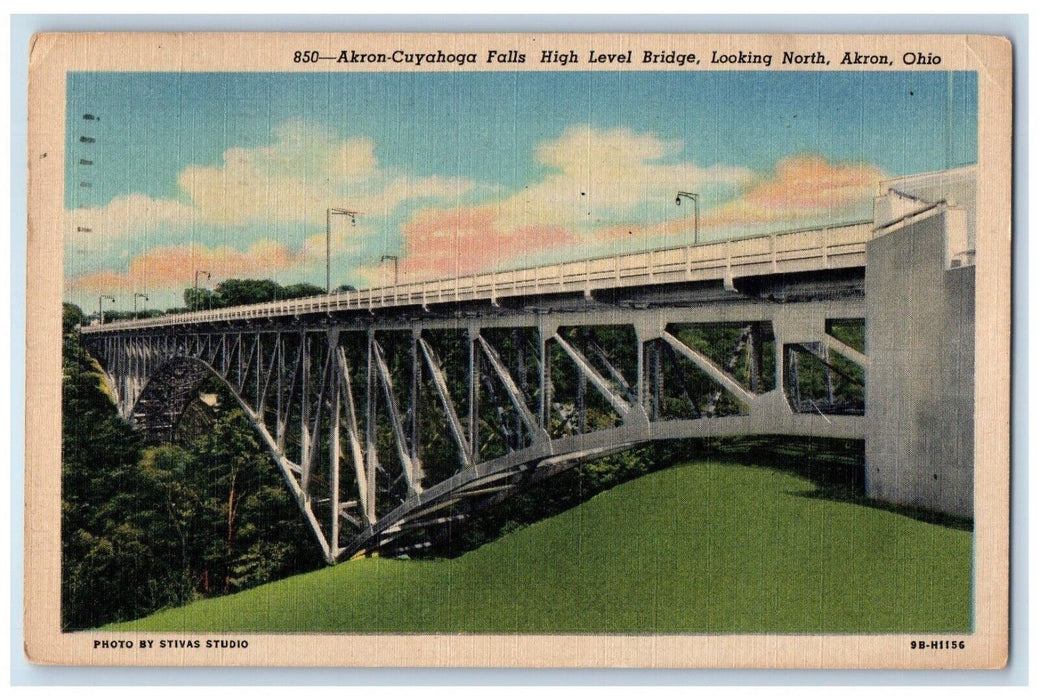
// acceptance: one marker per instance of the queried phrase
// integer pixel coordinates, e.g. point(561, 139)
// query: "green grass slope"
point(705, 547)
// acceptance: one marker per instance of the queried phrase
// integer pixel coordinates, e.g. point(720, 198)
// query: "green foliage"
point(71, 316)
point(235, 292)
point(708, 547)
point(151, 527)
point(831, 375)
point(112, 316)
point(851, 332)
point(241, 292)
point(97, 450)
point(298, 291)
point(201, 299)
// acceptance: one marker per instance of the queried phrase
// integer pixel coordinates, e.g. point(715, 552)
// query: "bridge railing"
point(836, 246)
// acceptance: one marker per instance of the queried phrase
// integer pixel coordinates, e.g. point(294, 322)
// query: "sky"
point(455, 173)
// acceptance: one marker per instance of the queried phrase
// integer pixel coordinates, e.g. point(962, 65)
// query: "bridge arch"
point(167, 393)
point(174, 385)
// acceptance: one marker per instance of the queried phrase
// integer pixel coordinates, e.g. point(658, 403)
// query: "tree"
point(255, 532)
point(242, 292)
point(200, 299)
point(298, 291)
point(149, 527)
point(239, 292)
point(71, 316)
point(97, 448)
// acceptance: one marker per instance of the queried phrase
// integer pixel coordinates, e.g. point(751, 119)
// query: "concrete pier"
point(920, 290)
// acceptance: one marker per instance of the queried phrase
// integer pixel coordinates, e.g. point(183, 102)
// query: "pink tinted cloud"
point(446, 242)
point(676, 227)
point(174, 267)
point(802, 187)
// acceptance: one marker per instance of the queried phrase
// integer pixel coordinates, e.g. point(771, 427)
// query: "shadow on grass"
point(835, 467)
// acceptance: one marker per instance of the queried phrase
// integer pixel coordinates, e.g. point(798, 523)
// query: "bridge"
point(395, 410)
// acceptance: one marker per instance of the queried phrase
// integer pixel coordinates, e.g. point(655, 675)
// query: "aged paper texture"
point(545, 350)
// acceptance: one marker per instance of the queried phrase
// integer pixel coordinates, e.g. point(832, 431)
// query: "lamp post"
point(135, 296)
point(696, 212)
point(328, 241)
point(208, 277)
point(396, 267)
point(101, 308)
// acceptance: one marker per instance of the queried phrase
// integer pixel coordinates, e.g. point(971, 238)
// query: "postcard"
point(518, 350)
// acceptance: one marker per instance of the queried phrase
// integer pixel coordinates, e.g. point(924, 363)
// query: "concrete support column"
point(474, 394)
point(371, 455)
point(416, 383)
point(545, 403)
point(920, 386)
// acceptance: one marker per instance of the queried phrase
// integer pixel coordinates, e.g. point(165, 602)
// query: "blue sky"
point(232, 170)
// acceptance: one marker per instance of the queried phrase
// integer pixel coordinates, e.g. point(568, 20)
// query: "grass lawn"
point(702, 547)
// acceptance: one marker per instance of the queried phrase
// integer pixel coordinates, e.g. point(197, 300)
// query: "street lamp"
point(135, 296)
point(696, 211)
point(208, 277)
point(328, 241)
point(101, 309)
point(396, 268)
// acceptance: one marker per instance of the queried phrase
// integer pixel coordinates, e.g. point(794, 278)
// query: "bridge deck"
point(833, 247)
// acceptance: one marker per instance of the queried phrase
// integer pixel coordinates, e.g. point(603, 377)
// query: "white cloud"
point(295, 179)
point(128, 215)
point(600, 175)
